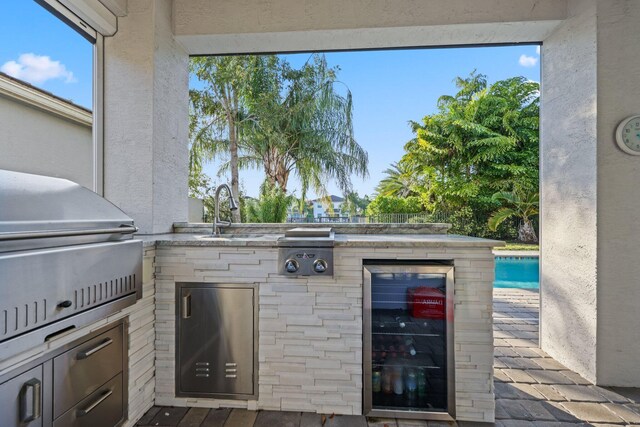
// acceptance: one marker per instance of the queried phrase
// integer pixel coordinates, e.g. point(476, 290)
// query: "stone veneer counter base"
point(310, 328)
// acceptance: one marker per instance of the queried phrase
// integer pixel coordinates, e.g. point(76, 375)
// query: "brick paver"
point(532, 389)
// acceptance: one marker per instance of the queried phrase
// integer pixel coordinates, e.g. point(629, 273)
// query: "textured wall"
point(310, 330)
point(618, 196)
point(589, 281)
point(146, 118)
point(254, 16)
point(36, 141)
point(568, 153)
point(228, 26)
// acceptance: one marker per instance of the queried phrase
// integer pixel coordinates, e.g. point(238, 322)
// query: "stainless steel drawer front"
point(216, 341)
point(83, 369)
point(103, 408)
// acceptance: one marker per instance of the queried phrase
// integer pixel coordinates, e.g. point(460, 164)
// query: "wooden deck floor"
point(532, 389)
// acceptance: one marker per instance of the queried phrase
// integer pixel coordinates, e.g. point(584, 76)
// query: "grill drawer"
point(83, 369)
point(103, 408)
point(43, 286)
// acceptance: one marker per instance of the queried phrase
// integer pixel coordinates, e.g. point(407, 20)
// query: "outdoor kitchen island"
point(310, 330)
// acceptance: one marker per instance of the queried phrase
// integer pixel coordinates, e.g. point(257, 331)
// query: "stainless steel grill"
point(67, 259)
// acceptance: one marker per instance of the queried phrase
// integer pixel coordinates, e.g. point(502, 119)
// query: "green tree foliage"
point(282, 120)
point(354, 204)
point(521, 205)
point(394, 205)
point(305, 127)
point(217, 113)
point(401, 180)
point(271, 207)
point(482, 140)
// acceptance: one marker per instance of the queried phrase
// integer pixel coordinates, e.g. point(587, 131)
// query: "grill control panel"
point(305, 261)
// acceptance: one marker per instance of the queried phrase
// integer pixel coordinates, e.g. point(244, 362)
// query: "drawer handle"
point(87, 353)
point(230, 371)
point(36, 409)
point(231, 376)
point(85, 411)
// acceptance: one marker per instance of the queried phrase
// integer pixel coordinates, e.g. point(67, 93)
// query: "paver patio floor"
point(532, 389)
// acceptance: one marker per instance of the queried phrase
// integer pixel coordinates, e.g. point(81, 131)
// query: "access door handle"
point(186, 306)
point(30, 411)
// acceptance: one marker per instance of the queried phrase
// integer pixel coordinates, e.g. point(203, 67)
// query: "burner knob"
point(291, 265)
point(320, 266)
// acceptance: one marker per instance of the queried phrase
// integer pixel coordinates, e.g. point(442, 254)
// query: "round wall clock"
point(628, 135)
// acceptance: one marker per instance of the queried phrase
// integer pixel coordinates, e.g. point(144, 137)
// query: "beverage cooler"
point(408, 341)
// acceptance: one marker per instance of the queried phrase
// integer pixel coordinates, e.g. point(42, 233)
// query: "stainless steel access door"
point(21, 400)
point(216, 340)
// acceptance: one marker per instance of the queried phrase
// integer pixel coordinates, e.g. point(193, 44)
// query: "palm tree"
point(218, 113)
point(306, 130)
point(519, 204)
point(266, 115)
point(402, 180)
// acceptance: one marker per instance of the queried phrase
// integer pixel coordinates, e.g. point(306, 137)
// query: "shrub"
point(394, 205)
point(271, 207)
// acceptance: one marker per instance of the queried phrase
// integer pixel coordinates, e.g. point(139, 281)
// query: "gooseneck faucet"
point(233, 205)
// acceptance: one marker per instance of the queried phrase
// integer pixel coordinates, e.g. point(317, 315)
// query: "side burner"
point(306, 252)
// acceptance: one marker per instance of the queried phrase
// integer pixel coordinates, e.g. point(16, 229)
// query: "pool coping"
point(527, 254)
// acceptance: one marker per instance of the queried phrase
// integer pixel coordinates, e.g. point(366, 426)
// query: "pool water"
point(517, 272)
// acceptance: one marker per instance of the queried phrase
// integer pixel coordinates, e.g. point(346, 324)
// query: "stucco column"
point(146, 118)
point(590, 257)
point(618, 294)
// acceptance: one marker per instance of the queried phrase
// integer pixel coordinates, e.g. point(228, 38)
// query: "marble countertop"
point(341, 240)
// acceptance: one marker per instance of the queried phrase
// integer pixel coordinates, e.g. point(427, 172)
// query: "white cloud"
point(538, 49)
point(527, 61)
point(34, 68)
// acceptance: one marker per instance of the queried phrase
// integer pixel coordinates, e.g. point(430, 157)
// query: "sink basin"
point(236, 237)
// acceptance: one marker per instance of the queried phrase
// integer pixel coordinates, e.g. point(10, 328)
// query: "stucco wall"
point(228, 26)
point(232, 16)
point(618, 196)
point(40, 142)
point(590, 250)
point(568, 179)
point(146, 118)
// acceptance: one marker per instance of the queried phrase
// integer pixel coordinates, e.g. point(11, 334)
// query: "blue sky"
point(39, 48)
point(389, 88)
point(392, 87)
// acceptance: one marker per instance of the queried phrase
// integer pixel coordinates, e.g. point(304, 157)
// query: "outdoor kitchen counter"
point(310, 328)
point(382, 240)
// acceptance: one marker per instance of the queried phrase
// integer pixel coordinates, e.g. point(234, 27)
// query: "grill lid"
point(35, 206)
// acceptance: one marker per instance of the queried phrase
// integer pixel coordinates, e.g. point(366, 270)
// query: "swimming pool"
point(517, 272)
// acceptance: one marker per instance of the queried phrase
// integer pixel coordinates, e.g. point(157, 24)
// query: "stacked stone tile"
point(310, 329)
